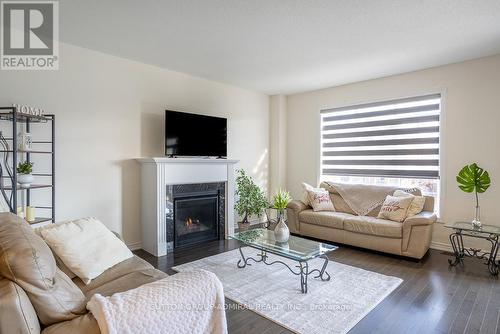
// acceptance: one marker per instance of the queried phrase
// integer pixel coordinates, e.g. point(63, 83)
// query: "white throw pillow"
point(85, 246)
point(305, 193)
point(395, 208)
point(416, 206)
point(320, 200)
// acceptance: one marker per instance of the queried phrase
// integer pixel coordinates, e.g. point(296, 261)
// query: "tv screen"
point(195, 135)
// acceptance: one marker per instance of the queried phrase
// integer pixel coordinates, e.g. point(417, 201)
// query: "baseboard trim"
point(441, 246)
point(134, 245)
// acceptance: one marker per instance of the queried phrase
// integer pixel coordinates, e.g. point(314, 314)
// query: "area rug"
point(333, 306)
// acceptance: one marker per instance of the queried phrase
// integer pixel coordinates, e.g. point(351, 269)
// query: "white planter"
point(281, 231)
point(25, 180)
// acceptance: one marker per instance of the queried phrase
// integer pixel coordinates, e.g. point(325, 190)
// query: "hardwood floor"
point(433, 298)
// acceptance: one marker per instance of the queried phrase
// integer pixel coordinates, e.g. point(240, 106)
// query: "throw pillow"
point(395, 208)
point(85, 246)
point(320, 200)
point(416, 206)
point(305, 193)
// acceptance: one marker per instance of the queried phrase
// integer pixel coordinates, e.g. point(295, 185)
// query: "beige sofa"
point(38, 295)
point(410, 238)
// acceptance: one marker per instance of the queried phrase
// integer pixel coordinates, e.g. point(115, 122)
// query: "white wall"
point(277, 143)
point(110, 111)
point(470, 129)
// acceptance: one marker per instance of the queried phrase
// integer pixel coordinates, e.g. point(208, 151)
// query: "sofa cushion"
point(373, 226)
point(85, 324)
point(17, 314)
point(324, 218)
point(27, 260)
point(129, 281)
point(123, 268)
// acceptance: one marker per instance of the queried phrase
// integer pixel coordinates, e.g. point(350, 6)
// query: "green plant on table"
point(25, 167)
point(473, 178)
point(251, 199)
point(281, 200)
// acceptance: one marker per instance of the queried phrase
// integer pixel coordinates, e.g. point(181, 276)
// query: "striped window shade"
point(397, 138)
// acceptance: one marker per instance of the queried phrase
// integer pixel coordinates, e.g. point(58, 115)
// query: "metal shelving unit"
point(8, 185)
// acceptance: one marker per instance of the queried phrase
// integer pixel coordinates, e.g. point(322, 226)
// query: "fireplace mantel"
point(157, 173)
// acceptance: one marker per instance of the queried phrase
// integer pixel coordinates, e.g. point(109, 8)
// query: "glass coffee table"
point(486, 232)
point(297, 249)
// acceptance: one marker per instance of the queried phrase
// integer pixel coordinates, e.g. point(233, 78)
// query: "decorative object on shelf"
point(473, 178)
point(24, 141)
point(280, 201)
point(24, 176)
point(28, 110)
point(30, 214)
point(20, 211)
point(251, 201)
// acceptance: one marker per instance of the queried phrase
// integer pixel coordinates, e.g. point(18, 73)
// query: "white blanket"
point(188, 302)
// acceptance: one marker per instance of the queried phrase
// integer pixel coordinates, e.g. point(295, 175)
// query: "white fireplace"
point(157, 174)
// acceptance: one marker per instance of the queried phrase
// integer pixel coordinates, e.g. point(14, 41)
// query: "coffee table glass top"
point(467, 226)
point(297, 248)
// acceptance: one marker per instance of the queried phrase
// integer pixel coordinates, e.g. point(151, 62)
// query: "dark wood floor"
point(433, 298)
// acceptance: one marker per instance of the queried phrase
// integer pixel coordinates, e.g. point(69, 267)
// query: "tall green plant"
point(251, 200)
point(281, 200)
point(473, 178)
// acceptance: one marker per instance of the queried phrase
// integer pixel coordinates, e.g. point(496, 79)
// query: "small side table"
point(487, 232)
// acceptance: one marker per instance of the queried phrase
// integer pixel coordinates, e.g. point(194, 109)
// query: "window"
point(388, 143)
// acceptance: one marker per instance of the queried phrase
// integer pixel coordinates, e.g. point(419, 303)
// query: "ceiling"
point(286, 46)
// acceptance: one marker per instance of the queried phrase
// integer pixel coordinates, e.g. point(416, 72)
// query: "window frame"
point(439, 205)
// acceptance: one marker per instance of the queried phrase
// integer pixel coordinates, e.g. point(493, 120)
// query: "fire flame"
point(189, 222)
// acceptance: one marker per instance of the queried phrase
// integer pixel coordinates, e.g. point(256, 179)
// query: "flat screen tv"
point(195, 135)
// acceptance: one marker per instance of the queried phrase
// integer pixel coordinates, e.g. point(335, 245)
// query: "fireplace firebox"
point(195, 214)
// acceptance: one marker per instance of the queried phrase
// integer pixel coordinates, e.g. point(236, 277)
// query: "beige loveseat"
point(410, 238)
point(37, 294)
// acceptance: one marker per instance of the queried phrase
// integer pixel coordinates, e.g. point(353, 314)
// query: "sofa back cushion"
point(27, 260)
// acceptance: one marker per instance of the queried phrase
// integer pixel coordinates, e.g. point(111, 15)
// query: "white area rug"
point(273, 291)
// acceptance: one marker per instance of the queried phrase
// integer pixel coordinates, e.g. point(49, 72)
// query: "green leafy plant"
point(251, 200)
point(281, 200)
point(25, 167)
point(473, 178)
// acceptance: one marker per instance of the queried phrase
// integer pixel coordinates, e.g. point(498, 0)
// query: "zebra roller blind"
point(397, 138)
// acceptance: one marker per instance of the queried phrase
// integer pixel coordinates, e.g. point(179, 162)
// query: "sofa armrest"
point(422, 218)
point(293, 210)
point(417, 234)
point(17, 314)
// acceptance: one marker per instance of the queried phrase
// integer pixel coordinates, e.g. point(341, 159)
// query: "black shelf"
point(10, 190)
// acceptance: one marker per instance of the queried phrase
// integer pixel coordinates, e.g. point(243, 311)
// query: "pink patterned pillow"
point(395, 208)
point(320, 200)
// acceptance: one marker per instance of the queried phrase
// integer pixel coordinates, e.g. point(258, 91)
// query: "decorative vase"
point(477, 218)
point(25, 141)
point(25, 180)
point(281, 231)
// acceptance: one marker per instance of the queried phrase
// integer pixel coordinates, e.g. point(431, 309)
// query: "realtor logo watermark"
point(30, 35)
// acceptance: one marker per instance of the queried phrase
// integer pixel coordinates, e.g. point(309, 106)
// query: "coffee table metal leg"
point(242, 263)
point(458, 249)
point(304, 272)
point(493, 264)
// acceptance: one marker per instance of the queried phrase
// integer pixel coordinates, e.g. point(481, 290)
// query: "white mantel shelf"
point(166, 160)
point(158, 172)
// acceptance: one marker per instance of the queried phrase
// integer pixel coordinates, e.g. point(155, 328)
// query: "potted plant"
point(280, 202)
point(24, 177)
point(251, 201)
point(473, 178)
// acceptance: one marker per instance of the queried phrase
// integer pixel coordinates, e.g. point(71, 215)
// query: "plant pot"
point(25, 180)
point(281, 231)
